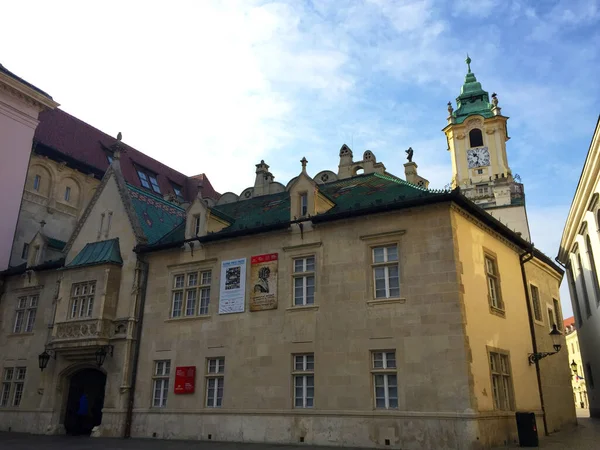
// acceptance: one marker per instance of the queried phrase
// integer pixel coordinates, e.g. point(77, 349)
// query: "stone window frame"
point(303, 208)
point(504, 374)
point(25, 251)
point(198, 268)
point(386, 264)
point(385, 371)
point(496, 278)
point(25, 313)
point(160, 380)
point(37, 181)
point(85, 309)
point(13, 386)
point(533, 287)
point(304, 275)
point(297, 252)
point(589, 376)
point(303, 371)
point(551, 316)
point(558, 314)
point(215, 375)
point(592, 262)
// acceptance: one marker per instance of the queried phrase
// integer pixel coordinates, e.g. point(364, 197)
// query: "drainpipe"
point(523, 258)
point(143, 284)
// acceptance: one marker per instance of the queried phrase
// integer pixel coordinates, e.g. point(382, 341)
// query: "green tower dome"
point(472, 99)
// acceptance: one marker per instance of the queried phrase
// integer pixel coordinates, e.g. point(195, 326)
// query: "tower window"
point(303, 204)
point(36, 183)
point(476, 138)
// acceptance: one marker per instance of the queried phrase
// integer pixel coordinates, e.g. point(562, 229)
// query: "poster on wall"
point(232, 297)
point(185, 380)
point(263, 282)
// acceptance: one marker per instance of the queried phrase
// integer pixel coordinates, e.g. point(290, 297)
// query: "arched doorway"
point(81, 415)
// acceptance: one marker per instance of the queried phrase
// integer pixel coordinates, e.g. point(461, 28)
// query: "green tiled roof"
point(102, 252)
point(255, 212)
point(56, 243)
point(157, 216)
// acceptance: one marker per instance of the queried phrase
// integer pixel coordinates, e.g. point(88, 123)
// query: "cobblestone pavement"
point(585, 437)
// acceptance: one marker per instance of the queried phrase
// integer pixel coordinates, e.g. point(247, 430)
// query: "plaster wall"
point(48, 202)
point(554, 370)
point(491, 330)
point(578, 385)
point(18, 121)
point(514, 217)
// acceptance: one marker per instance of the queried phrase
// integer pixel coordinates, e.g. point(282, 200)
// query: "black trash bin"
point(527, 429)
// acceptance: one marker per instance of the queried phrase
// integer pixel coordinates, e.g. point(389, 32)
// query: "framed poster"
point(232, 297)
point(263, 282)
point(185, 380)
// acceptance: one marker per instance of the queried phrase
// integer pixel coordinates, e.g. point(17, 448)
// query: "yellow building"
point(576, 364)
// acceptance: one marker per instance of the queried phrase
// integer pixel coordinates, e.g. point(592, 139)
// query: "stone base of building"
point(33, 421)
point(415, 431)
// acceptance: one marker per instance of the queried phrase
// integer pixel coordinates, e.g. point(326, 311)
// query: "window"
point(501, 381)
point(482, 189)
point(385, 381)
point(13, 381)
point(573, 291)
point(178, 191)
point(304, 281)
point(479, 171)
point(196, 225)
point(476, 138)
point(590, 375)
point(37, 180)
point(25, 251)
point(148, 180)
point(551, 321)
point(590, 253)
point(303, 204)
point(493, 283)
point(193, 289)
point(25, 314)
point(160, 379)
point(586, 299)
point(557, 314)
point(386, 273)
point(67, 194)
point(215, 371)
point(304, 380)
point(109, 158)
point(82, 299)
point(535, 302)
point(36, 255)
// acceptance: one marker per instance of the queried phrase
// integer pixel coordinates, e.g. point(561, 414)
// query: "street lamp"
point(555, 335)
point(101, 354)
point(44, 357)
point(574, 367)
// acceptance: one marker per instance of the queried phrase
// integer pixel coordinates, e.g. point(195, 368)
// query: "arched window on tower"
point(476, 138)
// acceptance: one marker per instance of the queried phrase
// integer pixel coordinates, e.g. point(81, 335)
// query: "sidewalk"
point(585, 437)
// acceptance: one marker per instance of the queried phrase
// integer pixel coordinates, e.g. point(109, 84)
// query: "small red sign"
point(264, 258)
point(185, 379)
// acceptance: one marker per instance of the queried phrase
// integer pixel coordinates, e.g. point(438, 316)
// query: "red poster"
point(185, 380)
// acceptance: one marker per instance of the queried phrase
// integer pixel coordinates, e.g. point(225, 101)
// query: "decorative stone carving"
point(81, 329)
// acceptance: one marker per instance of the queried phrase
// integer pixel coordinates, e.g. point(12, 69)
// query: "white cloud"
point(479, 8)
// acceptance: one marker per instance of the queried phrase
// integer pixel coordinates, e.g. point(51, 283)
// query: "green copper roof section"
point(472, 99)
point(157, 216)
point(255, 212)
point(56, 244)
point(103, 252)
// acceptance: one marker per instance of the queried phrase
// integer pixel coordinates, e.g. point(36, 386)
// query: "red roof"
point(75, 138)
point(569, 321)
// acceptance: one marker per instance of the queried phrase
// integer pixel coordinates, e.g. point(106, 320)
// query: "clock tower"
point(477, 134)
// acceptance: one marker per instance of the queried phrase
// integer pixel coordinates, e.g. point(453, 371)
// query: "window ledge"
point(303, 308)
point(385, 301)
point(498, 312)
point(186, 318)
point(30, 333)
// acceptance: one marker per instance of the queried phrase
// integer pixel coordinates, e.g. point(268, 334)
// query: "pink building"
point(20, 104)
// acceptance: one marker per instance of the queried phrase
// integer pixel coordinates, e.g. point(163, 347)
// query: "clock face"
point(478, 157)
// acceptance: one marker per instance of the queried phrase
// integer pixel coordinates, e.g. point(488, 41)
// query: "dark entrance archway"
point(81, 415)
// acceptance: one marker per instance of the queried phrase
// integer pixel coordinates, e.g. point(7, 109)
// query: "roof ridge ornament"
point(468, 61)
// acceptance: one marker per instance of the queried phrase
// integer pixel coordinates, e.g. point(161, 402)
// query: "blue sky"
point(215, 87)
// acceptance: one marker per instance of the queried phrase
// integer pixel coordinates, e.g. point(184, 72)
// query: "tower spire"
point(468, 61)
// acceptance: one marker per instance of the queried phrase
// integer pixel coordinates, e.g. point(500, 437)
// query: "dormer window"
point(303, 204)
point(109, 158)
point(148, 179)
point(178, 191)
point(476, 138)
point(197, 225)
